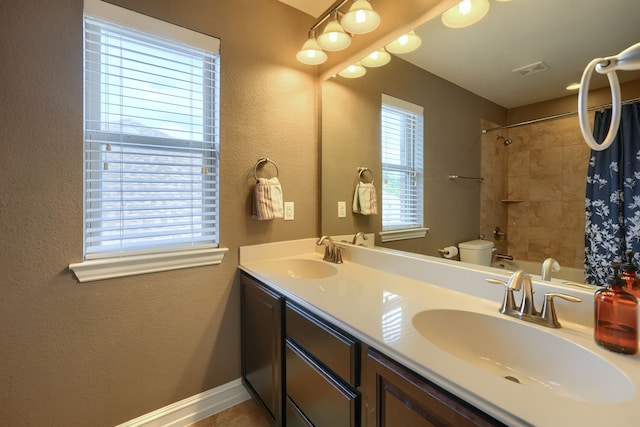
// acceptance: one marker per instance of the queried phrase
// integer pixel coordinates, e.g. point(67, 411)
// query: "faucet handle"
point(328, 253)
point(548, 313)
point(337, 255)
point(508, 303)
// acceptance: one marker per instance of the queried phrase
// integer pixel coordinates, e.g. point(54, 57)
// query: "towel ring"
point(361, 171)
point(261, 161)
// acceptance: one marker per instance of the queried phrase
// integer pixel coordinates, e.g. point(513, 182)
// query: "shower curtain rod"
point(555, 116)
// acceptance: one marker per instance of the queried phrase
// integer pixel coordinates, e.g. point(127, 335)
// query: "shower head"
point(505, 141)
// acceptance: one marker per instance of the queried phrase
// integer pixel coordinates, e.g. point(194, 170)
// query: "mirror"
point(524, 206)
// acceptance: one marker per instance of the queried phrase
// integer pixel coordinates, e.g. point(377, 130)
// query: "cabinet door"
point(399, 397)
point(262, 351)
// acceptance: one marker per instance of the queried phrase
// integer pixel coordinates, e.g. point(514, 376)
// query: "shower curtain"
point(613, 196)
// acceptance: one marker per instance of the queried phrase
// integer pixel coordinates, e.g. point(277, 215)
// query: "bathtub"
point(566, 274)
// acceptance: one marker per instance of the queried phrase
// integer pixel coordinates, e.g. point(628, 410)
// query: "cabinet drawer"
point(323, 400)
point(295, 418)
point(333, 348)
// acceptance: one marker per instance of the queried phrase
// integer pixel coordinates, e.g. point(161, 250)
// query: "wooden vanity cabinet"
point(397, 396)
point(305, 372)
point(262, 346)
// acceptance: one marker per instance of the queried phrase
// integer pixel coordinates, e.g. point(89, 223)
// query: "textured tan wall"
point(452, 124)
point(101, 353)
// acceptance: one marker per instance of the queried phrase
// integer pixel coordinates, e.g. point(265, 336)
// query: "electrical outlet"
point(288, 211)
point(342, 209)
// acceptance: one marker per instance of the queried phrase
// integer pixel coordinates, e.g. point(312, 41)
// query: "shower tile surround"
point(534, 190)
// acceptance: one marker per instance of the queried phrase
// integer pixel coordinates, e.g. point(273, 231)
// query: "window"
point(151, 143)
point(402, 169)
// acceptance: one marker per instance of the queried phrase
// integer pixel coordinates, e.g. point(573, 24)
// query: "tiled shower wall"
point(534, 190)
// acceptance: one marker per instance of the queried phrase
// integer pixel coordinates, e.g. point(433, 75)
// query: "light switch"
point(342, 209)
point(288, 211)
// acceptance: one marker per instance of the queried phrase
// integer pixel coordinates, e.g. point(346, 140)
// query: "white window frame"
point(153, 259)
point(409, 165)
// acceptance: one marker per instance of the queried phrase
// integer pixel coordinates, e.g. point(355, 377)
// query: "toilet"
point(476, 252)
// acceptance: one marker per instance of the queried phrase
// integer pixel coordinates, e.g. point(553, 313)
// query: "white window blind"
point(402, 164)
point(151, 142)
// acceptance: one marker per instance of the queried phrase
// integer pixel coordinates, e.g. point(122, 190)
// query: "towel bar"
point(260, 163)
point(361, 171)
point(479, 179)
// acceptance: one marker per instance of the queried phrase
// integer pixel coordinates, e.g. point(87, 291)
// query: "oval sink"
point(524, 354)
point(303, 268)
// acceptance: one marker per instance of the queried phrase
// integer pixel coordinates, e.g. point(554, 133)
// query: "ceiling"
point(564, 35)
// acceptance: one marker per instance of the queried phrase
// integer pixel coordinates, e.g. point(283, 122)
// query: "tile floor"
point(245, 414)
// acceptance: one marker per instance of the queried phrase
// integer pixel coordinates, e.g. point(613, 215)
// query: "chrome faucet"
point(549, 265)
point(502, 256)
point(332, 253)
point(526, 310)
point(358, 234)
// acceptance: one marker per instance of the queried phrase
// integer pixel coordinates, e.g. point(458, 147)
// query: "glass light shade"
point(376, 59)
point(361, 18)
point(353, 71)
point(311, 54)
point(334, 37)
point(465, 13)
point(405, 44)
point(572, 86)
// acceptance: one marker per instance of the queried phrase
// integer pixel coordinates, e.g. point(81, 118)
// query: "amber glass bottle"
point(616, 317)
point(629, 275)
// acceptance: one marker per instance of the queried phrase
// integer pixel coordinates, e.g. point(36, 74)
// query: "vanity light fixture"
point(311, 53)
point(377, 58)
point(353, 71)
point(405, 44)
point(465, 13)
point(334, 38)
point(361, 18)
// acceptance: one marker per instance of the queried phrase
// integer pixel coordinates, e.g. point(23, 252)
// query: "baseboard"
point(194, 408)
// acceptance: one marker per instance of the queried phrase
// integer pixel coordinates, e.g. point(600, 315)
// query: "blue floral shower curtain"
point(613, 195)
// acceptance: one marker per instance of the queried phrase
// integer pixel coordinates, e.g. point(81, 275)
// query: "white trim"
point(402, 104)
point(108, 268)
point(194, 408)
point(403, 234)
point(109, 12)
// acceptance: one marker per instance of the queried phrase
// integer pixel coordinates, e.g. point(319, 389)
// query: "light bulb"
point(361, 18)
point(353, 71)
point(405, 44)
point(311, 54)
point(334, 37)
point(465, 13)
point(376, 59)
point(464, 7)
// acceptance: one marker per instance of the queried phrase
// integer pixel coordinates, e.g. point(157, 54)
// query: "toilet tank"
point(476, 252)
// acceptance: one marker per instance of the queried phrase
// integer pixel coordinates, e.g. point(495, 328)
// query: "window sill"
point(100, 269)
point(403, 234)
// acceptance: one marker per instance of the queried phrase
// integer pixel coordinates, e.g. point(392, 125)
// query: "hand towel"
point(267, 199)
point(365, 201)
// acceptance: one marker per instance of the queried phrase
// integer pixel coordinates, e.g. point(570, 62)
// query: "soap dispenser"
point(616, 316)
point(630, 276)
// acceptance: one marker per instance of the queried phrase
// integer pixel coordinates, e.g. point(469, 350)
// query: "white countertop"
point(375, 294)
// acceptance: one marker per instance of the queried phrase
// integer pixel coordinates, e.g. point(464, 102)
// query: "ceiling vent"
point(527, 70)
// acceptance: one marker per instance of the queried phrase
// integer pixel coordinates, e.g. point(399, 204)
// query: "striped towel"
point(267, 199)
point(365, 201)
